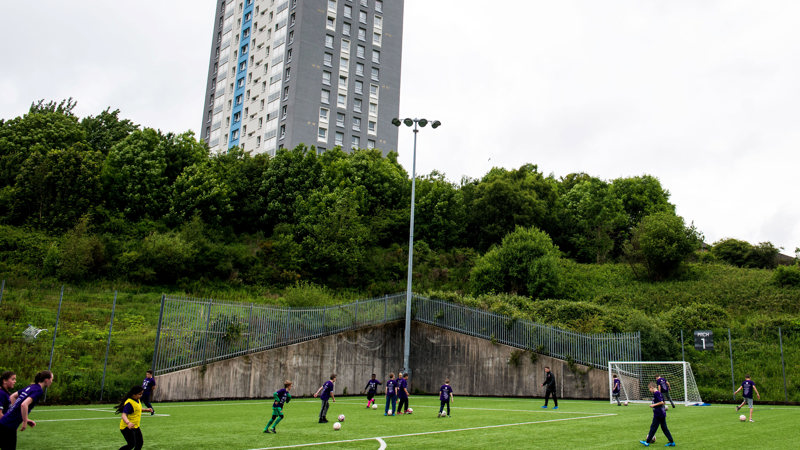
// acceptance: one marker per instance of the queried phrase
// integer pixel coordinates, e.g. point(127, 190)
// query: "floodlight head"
point(422, 122)
point(436, 124)
point(396, 122)
point(408, 122)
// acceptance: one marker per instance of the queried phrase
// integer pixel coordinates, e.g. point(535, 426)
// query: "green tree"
point(591, 217)
point(661, 243)
point(525, 263)
point(384, 183)
point(243, 174)
point(763, 256)
point(292, 175)
point(440, 214)
point(46, 126)
point(55, 188)
point(334, 235)
point(106, 129)
point(503, 200)
point(641, 196)
point(732, 251)
point(202, 190)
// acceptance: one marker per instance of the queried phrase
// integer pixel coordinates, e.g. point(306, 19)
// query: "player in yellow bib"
point(131, 409)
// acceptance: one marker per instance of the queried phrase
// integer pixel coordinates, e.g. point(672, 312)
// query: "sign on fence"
point(704, 340)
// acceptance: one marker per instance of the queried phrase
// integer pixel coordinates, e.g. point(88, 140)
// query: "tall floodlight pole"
point(409, 122)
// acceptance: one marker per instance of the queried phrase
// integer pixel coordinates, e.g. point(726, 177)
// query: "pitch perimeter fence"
point(194, 332)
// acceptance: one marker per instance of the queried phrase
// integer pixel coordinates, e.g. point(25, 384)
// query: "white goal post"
point(634, 377)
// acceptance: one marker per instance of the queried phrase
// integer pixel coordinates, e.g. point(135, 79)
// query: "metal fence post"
point(2, 288)
point(730, 349)
point(249, 327)
point(55, 332)
point(158, 332)
point(783, 368)
point(683, 350)
point(108, 344)
point(205, 336)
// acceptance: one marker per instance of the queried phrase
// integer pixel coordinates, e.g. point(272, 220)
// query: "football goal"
point(634, 377)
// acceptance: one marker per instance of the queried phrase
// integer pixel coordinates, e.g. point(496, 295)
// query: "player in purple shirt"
point(402, 391)
point(372, 389)
point(325, 393)
point(663, 387)
point(391, 394)
point(747, 388)
point(445, 397)
point(18, 412)
point(9, 379)
point(148, 386)
point(659, 418)
point(615, 389)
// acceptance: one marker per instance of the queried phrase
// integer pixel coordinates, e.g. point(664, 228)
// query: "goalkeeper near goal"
point(663, 387)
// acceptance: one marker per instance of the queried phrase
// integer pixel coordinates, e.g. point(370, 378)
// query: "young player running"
point(663, 387)
point(282, 397)
point(26, 400)
point(615, 389)
point(372, 389)
point(327, 394)
point(391, 394)
point(445, 397)
point(131, 409)
point(149, 387)
point(550, 388)
point(402, 390)
point(659, 418)
point(747, 388)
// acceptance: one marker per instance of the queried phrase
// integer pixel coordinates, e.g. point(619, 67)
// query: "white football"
point(374, 406)
point(337, 426)
point(341, 417)
point(409, 411)
point(742, 417)
point(625, 403)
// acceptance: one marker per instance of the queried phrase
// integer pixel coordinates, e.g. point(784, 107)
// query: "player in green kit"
point(282, 397)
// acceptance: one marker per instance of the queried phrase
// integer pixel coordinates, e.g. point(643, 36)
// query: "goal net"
point(634, 377)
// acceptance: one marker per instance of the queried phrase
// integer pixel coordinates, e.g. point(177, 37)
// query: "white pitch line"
point(383, 444)
point(92, 418)
point(436, 432)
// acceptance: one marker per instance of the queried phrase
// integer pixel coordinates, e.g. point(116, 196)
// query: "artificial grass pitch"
point(474, 423)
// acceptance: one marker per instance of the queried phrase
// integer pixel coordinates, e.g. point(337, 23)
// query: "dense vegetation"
point(100, 202)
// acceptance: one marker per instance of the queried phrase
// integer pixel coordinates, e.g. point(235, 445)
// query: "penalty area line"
point(381, 438)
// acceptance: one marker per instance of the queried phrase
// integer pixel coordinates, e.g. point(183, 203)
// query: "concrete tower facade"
point(318, 72)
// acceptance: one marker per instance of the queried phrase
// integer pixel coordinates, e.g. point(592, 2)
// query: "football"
point(337, 426)
point(625, 403)
point(341, 417)
point(742, 417)
point(374, 406)
point(409, 411)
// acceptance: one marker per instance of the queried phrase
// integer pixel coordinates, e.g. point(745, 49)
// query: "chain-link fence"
point(198, 331)
point(770, 355)
point(96, 342)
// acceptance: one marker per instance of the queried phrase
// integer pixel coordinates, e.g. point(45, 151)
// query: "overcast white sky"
point(704, 95)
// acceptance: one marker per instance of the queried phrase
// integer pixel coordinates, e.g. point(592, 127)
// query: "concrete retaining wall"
point(475, 367)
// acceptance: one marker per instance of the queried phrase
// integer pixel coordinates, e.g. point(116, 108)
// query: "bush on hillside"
point(698, 316)
point(525, 263)
point(787, 276)
point(661, 243)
